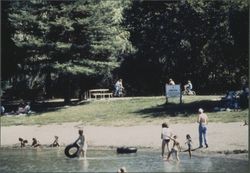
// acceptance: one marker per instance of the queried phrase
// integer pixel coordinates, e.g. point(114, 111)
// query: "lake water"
point(54, 160)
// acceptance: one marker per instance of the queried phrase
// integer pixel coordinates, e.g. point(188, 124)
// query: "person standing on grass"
point(202, 120)
point(165, 134)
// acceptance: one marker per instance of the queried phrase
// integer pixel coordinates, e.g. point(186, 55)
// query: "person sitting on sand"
point(122, 170)
point(23, 142)
point(35, 143)
point(82, 144)
point(166, 132)
point(175, 149)
point(55, 143)
point(189, 144)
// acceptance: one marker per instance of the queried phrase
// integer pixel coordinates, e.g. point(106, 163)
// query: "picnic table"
point(100, 93)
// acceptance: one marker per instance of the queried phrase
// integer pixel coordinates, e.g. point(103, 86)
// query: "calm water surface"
point(54, 160)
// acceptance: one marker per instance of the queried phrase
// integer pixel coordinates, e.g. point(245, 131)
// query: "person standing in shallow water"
point(81, 141)
point(165, 134)
point(202, 120)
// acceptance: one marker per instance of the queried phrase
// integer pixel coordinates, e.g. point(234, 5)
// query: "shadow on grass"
point(43, 106)
point(185, 109)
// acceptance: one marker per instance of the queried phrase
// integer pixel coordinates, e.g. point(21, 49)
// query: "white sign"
point(173, 90)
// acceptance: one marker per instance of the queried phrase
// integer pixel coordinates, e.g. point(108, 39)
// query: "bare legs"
point(163, 145)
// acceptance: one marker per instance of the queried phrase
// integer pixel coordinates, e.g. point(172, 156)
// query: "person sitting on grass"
point(23, 142)
point(189, 144)
point(2, 110)
point(27, 108)
point(171, 82)
point(35, 143)
point(175, 149)
point(23, 108)
point(55, 143)
point(82, 144)
point(20, 108)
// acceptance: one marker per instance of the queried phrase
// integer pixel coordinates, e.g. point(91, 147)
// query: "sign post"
point(173, 91)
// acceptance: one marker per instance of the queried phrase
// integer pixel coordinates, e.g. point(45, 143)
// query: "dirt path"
point(221, 136)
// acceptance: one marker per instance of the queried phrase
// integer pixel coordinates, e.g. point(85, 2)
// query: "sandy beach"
point(221, 136)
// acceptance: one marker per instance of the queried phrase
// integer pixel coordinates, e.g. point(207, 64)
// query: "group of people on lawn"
point(23, 108)
point(167, 136)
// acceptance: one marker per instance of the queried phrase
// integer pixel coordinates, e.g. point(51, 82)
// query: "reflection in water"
point(32, 160)
point(84, 164)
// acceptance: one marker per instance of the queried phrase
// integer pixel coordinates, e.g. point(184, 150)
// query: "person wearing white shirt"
point(165, 136)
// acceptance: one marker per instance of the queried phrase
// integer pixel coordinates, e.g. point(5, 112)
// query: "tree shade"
point(62, 47)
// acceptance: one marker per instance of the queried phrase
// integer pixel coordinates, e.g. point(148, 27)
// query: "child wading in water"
point(175, 149)
point(82, 144)
point(189, 144)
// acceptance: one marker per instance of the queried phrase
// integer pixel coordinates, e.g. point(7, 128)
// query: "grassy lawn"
point(134, 111)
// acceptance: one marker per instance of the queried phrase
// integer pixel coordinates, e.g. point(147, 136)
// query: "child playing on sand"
point(23, 142)
point(189, 144)
point(35, 143)
point(82, 144)
point(55, 143)
point(175, 149)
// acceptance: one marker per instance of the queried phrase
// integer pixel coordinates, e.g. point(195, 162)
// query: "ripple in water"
point(54, 160)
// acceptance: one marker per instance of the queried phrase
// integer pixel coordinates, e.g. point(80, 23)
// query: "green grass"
point(134, 111)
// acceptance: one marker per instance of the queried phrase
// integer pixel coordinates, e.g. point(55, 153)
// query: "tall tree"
point(67, 41)
point(186, 40)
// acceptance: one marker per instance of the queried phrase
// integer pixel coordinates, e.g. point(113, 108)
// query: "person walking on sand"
point(175, 149)
point(189, 144)
point(81, 141)
point(203, 121)
point(165, 134)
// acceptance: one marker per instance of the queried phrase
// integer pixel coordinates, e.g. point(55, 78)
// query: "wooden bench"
point(100, 93)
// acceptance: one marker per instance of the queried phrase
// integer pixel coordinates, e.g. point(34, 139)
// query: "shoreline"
point(223, 138)
point(238, 154)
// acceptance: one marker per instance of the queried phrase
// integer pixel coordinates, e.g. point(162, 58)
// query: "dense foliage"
point(205, 42)
point(62, 48)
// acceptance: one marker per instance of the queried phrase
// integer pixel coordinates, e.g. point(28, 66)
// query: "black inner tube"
point(125, 150)
point(68, 148)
